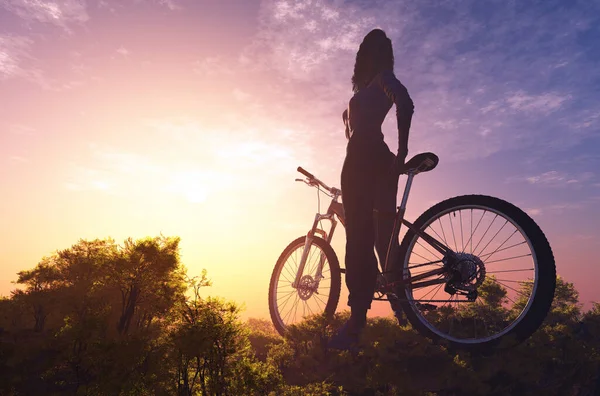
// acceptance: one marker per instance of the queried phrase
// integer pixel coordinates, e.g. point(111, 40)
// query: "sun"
point(189, 185)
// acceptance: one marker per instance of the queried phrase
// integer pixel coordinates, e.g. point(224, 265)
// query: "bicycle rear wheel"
point(288, 304)
point(497, 289)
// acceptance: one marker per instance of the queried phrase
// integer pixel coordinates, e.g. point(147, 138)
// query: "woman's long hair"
point(374, 55)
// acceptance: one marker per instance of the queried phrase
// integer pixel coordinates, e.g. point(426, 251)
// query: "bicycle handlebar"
point(305, 173)
point(313, 179)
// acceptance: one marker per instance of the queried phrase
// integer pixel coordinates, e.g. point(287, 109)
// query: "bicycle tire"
point(541, 299)
point(334, 266)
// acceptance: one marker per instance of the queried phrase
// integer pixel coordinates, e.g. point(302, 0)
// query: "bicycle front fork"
point(308, 242)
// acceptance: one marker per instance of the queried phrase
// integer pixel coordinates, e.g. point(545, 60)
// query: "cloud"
point(302, 39)
point(18, 159)
point(17, 61)
point(520, 101)
point(588, 119)
point(557, 209)
point(59, 12)
point(247, 144)
point(240, 95)
point(557, 179)
point(482, 82)
point(534, 211)
point(19, 129)
point(543, 103)
point(106, 5)
point(212, 66)
point(552, 177)
point(14, 51)
point(170, 4)
point(123, 51)
point(196, 163)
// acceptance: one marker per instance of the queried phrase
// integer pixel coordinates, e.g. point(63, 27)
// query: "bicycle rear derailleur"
point(467, 272)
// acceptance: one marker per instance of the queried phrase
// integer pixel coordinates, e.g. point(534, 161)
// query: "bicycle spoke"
point(291, 293)
point(286, 278)
point(490, 241)
point(417, 254)
point(416, 265)
point(443, 233)
point(434, 294)
point(285, 319)
point(308, 307)
point(435, 232)
point(312, 268)
point(291, 273)
point(514, 281)
point(484, 308)
point(303, 308)
point(506, 259)
point(287, 300)
point(296, 309)
point(311, 253)
point(452, 227)
point(414, 275)
point(462, 239)
point(485, 233)
point(436, 255)
point(317, 298)
point(285, 285)
point(513, 270)
point(291, 309)
point(471, 231)
point(320, 257)
point(448, 301)
point(503, 249)
point(474, 230)
point(420, 300)
point(511, 288)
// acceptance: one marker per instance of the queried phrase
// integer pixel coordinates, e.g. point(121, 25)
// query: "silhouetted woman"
point(370, 174)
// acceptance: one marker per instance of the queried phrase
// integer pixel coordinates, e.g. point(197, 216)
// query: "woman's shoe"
point(347, 336)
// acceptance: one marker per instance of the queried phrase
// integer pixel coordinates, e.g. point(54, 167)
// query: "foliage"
point(107, 319)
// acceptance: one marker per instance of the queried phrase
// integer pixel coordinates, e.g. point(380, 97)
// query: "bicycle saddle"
point(423, 162)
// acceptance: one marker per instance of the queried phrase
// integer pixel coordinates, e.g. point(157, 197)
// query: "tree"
point(41, 285)
point(262, 336)
point(149, 280)
point(106, 304)
point(210, 351)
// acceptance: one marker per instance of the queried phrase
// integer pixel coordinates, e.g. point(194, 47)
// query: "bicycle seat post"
point(398, 221)
point(409, 180)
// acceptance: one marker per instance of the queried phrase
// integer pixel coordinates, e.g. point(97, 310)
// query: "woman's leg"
point(358, 192)
point(359, 183)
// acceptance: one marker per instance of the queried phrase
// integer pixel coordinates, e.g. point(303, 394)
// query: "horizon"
point(181, 118)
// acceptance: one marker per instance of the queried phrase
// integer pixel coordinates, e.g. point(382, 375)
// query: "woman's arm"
point(345, 119)
point(398, 94)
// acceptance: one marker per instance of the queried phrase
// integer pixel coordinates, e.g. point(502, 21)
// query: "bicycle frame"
point(336, 209)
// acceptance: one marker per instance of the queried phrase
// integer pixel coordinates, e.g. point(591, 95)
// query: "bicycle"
point(474, 308)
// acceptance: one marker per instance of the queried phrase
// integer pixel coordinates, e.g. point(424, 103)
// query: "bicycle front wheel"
point(497, 285)
point(318, 289)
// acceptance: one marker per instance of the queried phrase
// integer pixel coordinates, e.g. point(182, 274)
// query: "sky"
point(188, 118)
